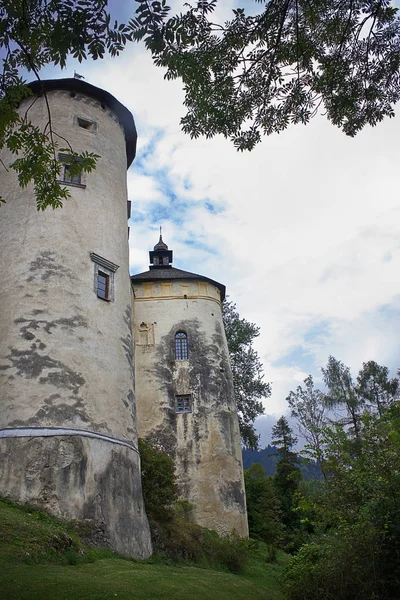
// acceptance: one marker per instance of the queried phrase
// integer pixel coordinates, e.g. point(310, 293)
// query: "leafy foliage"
point(246, 370)
point(158, 482)
point(374, 385)
point(174, 533)
point(257, 73)
point(253, 75)
point(355, 512)
point(356, 552)
point(308, 408)
point(32, 35)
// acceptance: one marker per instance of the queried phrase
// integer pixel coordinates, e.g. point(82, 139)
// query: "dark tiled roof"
point(173, 274)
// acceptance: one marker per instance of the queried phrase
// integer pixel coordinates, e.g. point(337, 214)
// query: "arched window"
point(181, 347)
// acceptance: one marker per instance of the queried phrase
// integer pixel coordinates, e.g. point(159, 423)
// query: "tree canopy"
point(256, 73)
point(248, 378)
point(264, 68)
point(353, 515)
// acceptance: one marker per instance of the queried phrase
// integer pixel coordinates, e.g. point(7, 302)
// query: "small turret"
point(160, 256)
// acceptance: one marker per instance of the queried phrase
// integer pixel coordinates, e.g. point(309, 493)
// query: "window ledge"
point(77, 185)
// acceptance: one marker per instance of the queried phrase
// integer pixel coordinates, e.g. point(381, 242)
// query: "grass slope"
point(43, 558)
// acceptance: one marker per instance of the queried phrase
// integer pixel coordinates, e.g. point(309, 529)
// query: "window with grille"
point(181, 346)
point(183, 404)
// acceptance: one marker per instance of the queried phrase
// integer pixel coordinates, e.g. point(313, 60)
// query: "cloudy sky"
point(304, 230)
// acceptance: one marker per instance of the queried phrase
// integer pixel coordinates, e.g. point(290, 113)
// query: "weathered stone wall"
point(204, 443)
point(66, 356)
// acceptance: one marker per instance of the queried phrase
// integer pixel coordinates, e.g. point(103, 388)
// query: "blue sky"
point(304, 231)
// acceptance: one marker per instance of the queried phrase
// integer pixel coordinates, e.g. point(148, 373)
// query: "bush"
point(181, 540)
point(175, 535)
point(345, 565)
point(158, 482)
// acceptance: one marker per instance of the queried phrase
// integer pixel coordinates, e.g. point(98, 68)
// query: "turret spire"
point(160, 256)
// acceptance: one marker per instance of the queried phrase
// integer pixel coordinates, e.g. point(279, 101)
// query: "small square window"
point(85, 124)
point(183, 404)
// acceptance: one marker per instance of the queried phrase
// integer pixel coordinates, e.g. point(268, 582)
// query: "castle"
point(79, 336)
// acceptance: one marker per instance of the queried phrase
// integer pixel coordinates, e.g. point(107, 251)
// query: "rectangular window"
point(103, 285)
point(104, 272)
point(66, 175)
point(68, 178)
point(183, 404)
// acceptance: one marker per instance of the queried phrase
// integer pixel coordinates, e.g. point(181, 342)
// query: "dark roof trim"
point(175, 275)
point(77, 85)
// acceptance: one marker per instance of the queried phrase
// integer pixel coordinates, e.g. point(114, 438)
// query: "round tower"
point(184, 389)
point(68, 438)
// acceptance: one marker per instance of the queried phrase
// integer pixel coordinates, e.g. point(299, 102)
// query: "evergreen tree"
point(375, 387)
point(343, 394)
point(263, 506)
point(288, 475)
point(284, 440)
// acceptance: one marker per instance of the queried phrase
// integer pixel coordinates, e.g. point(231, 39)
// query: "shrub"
point(175, 535)
point(158, 482)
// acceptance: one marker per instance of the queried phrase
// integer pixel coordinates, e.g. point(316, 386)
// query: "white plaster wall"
point(205, 443)
point(66, 356)
point(63, 350)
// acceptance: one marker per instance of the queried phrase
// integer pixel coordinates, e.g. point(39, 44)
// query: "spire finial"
point(160, 257)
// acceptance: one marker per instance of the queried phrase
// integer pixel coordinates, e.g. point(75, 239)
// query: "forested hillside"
point(268, 458)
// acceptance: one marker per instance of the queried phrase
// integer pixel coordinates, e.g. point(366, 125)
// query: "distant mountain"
point(269, 456)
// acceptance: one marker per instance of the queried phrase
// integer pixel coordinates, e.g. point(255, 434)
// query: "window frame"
point(65, 159)
point(181, 347)
point(104, 267)
point(106, 277)
point(186, 400)
point(71, 179)
point(85, 124)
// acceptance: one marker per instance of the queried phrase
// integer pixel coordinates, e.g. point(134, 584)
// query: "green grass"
point(44, 558)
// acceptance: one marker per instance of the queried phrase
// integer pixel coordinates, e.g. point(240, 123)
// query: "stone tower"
point(184, 390)
point(68, 436)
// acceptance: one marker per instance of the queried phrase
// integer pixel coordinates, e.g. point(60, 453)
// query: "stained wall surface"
point(204, 443)
point(66, 356)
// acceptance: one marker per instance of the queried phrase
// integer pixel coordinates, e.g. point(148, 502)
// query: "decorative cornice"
point(103, 262)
